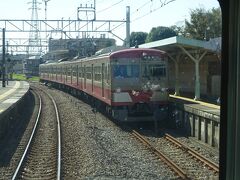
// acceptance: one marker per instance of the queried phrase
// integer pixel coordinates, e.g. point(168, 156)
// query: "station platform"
point(198, 119)
point(11, 94)
point(197, 107)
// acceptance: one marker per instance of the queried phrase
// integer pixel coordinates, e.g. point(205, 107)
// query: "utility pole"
point(3, 59)
point(45, 3)
point(128, 27)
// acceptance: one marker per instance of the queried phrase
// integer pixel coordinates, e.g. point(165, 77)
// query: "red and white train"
point(131, 84)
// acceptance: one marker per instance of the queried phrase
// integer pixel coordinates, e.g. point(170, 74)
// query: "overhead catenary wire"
point(163, 3)
point(110, 6)
point(142, 6)
point(151, 11)
point(137, 10)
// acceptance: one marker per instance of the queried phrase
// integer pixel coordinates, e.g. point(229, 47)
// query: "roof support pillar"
point(176, 62)
point(197, 81)
point(196, 60)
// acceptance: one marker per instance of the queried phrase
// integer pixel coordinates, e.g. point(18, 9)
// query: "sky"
point(144, 14)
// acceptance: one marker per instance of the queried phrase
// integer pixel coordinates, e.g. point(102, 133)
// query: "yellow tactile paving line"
point(194, 101)
point(16, 86)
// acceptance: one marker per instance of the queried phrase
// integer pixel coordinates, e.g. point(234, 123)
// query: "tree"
point(204, 24)
point(160, 32)
point(179, 30)
point(137, 38)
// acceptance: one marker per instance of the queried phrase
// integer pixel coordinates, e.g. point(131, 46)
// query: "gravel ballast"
point(95, 148)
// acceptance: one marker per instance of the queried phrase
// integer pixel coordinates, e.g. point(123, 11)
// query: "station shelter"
point(194, 66)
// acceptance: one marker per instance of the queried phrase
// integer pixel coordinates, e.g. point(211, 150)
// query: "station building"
point(194, 66)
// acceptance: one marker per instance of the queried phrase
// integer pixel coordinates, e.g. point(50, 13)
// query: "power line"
point(151, 11)
point(118, 26)
point(137, 10)
point(110, 6)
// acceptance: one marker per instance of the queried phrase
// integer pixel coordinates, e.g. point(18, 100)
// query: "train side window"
point(79, 71)
point(106, 69)
point(89, 72)
point(97, 73)
point(74, 73)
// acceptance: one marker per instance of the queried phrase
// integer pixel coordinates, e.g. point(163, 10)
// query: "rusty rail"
point(165, 159)
point(195, 154)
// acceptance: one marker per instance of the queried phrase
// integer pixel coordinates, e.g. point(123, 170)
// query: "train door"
point(56, 73)
point(66, 73)
point(92, 77)
point(50, 72)
point(71, 74)
point(80, 75)
point(77, 74)
point(61, 73)
point(103, 76)
point(84, 76)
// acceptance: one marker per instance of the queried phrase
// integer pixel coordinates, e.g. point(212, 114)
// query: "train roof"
point(130, 52)
point(137, 52)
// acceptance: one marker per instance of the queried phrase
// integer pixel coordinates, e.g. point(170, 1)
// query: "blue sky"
point(145, 14)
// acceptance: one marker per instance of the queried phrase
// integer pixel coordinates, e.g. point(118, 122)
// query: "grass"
point(22, 77)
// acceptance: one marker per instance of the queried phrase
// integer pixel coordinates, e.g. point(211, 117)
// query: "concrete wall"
point(198, 123)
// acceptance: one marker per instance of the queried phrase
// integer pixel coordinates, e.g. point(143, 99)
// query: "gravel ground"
point(95, 148)
point(205, 150)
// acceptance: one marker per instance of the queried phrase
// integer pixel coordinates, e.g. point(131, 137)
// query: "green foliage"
point(22, 77)
point(204, 24)
point(160, 32)
point(179, 30)
point(137, 38)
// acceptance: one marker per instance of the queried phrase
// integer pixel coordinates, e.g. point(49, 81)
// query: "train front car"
point(139, 85)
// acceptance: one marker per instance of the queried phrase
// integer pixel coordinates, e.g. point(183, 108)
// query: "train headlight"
point(118, 90)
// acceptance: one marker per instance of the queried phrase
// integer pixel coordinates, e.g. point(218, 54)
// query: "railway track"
point(184, 161)
point(182, 174)
point(193, 153)
point(42, 156)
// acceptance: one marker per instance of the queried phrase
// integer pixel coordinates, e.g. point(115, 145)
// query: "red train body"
point(130, 84)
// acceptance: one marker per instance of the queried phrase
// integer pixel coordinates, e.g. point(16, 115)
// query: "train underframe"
point(140, 112)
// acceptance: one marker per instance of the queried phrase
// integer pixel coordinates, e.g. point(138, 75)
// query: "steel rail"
point(166, 160)
point(59, 138)
point(33, 132)
point(30, 140)
point(195, 154)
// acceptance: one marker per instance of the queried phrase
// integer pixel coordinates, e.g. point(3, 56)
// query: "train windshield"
point(153, 66)
point(153, 70)
point(126, 71)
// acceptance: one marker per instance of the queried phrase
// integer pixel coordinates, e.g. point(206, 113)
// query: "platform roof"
point(171, 45)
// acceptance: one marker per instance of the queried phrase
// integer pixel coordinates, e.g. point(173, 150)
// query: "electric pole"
point(45, 3)
point(128, 27)
point(3, 59)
